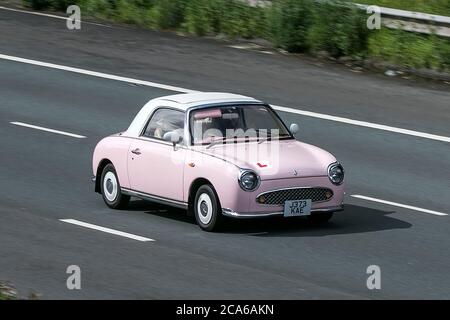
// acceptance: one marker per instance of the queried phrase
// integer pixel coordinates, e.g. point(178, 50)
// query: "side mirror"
point(293, 128)
point(173, 136)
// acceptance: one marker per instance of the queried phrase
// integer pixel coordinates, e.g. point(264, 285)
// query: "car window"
point(258, 118)
point(164, 120)
point(238, 121)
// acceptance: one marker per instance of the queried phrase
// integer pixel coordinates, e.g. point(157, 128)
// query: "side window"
point(164, 120)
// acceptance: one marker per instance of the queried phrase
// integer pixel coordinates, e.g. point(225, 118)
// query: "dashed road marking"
point(107, 230)
point(73, 135)
point(395, 204)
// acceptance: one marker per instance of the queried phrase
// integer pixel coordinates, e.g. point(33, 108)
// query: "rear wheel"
point(110, 187)
point(318, 218)
point(207, 209)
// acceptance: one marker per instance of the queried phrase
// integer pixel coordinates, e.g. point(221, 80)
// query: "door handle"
point(136, 151)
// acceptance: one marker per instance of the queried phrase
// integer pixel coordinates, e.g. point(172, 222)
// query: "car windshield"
point(245, 122)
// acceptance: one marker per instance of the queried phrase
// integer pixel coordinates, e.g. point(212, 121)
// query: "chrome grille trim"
point(279, 196)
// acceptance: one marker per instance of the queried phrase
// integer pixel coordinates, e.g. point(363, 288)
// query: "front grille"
point(278, 197)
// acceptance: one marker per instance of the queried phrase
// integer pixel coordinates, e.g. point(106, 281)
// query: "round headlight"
point(336, 173)
point(248, 180)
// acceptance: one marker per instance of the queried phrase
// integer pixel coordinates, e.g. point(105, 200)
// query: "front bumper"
point(233, 214)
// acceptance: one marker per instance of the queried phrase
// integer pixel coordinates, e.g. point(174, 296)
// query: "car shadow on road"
point(354, 219)
point(160, 210)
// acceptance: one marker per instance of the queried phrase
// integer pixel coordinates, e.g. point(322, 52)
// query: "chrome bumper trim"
point(233, 214)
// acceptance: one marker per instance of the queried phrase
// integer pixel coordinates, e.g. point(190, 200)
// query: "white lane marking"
point(107, 230)
point(96, 74)
point(248, 46)
point(251, 47)
point(364, 124)
point(395, 204)
point(51, 16)
point(184, 90)
point(34, 13)
point(48, 130)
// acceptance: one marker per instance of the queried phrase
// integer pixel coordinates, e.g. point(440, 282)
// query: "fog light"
point(262, 199)
point(328, 194)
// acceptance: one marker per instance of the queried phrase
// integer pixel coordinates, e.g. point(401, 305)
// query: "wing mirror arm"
point(174, 137)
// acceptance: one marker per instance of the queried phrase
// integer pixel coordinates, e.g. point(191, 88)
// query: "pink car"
point(217, 154)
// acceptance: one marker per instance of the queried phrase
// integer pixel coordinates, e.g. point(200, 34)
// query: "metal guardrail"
point(413, 21)
point(399, 19)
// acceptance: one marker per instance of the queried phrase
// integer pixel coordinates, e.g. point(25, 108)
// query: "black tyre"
point(207, 209)
point(110, 188)
point(319, 218)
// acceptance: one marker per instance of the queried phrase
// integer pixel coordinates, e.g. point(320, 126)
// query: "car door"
point(156, 166)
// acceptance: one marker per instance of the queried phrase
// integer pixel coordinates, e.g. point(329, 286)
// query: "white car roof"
point(183, 102)
point(187, 100)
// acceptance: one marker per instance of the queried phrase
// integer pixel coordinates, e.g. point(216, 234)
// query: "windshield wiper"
point(265, 137)
point(216, 141)
point(269, 137)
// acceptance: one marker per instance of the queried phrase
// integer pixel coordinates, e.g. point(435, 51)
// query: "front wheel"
point(318, 218)
point(110, 188)
point(207, 209)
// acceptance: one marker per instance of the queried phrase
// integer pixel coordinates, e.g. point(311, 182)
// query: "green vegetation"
point(289, 22)
point(410, 49)
point(440, 7)
point(341, 31)
point(3, 297)
point(6, 293)
point(307, 26)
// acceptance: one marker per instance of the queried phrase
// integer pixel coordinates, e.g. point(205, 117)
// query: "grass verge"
point(7, 292)
point(306, 26)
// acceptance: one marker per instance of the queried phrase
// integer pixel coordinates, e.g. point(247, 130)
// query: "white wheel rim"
point(204, 208)
point(110, 186)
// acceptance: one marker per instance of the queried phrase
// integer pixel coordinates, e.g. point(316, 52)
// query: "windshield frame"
point(290, 136)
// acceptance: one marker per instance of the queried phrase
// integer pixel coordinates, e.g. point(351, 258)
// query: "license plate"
point(295, 208)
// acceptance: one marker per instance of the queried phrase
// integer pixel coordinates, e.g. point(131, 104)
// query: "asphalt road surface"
point(45, 176)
